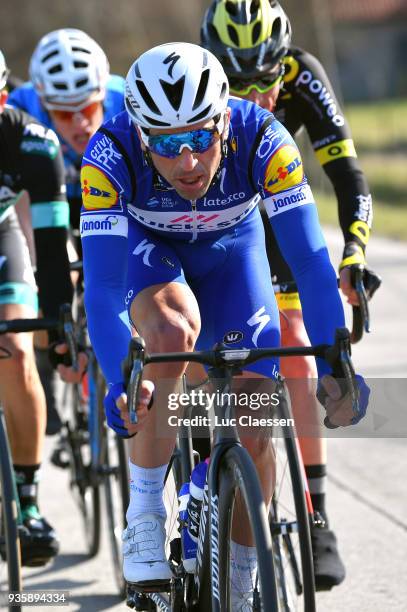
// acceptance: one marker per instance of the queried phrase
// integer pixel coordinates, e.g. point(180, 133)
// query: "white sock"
point(243, 567)
point(146, 490)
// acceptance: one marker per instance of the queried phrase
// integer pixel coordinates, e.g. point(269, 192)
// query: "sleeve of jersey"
point(103, 226)
point(292, 212)
point(335, 150)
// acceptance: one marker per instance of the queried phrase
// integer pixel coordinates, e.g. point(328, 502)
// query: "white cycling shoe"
point(144, 560)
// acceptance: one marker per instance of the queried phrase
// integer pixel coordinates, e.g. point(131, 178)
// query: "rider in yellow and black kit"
point(253, 42)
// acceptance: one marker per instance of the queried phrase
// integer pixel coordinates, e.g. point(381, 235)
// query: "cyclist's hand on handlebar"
point(345, 283)
point(338, 406)
point(117, 415)
point(353, 256)
point(59, 357)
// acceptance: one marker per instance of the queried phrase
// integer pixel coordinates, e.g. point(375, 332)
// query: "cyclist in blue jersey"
point(72, 92)
point(171, 227)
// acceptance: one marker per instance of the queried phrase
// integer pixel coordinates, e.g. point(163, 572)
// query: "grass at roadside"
point(388, 220)
point(379, 131)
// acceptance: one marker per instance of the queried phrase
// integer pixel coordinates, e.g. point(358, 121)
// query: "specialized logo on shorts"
point(108, 225)
point(232, 337)
point(97, 190)
point(284, 169)
point(291, 198)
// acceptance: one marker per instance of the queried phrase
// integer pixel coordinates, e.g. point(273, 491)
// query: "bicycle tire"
point(238, 473)
point(85, 490)
point(9, 516)
point(292, 554)
point(116, 489)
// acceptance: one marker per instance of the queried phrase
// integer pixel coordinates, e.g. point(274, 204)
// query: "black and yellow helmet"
point(249, 37)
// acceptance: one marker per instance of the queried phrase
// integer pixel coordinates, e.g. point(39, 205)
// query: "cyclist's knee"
point(172, 334)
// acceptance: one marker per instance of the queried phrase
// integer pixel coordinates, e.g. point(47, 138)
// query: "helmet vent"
point(231, 8)
point(254, 6)
point(60, 86)
point(148, 100)
point(79, 64)
point(200, 94)
point(156, 122)
point(276, 28)
point(233, 35)
point(174, 91)
point(201, 115)
point(256, 33)
point(55, 69)
point(47, 57)
point(81, 50)
point(223, 91)
point(81, 82)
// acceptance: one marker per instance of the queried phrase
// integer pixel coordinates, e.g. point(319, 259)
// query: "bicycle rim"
point(239, 487)
point(289, 524)
point(116, 487)
point(10, 561)
point(85, 492)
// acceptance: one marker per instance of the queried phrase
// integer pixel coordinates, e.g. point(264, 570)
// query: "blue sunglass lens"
point(171, 145)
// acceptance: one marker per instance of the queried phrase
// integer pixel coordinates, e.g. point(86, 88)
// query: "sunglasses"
point(243, 87)
point(171, 145)
point(87, 112)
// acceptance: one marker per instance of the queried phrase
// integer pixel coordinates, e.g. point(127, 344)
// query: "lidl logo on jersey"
point(97, 190)
point(284, 170)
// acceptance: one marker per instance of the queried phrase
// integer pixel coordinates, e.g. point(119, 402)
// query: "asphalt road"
point(367, 496)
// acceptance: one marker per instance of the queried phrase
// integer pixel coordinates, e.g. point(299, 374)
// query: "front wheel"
point(245, 573)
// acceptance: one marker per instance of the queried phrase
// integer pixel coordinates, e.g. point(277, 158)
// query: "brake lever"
point(67, 326)
point(339, 358)
point(132, 368)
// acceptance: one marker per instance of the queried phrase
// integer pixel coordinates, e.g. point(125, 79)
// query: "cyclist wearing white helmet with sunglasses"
point(72, 91)
point(174, 225)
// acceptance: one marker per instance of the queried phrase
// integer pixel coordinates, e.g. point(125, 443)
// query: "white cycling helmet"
point(175, 85)
point(4, 71)
point(68, 70)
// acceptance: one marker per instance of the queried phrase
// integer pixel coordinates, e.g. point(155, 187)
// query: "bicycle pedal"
point(318, 520)
point(57, 458)
point(138, 601)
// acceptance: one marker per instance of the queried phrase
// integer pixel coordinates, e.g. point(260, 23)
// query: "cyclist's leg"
point(165, 313)
point(21, 390)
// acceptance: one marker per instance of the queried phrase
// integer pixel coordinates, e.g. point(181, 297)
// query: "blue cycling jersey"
point(27, 99)
point(137, 231)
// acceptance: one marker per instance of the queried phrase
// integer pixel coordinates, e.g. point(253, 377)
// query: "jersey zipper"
point(194, 222)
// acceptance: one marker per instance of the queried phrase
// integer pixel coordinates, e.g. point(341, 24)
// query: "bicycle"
point(12, 529)
point(230, 470)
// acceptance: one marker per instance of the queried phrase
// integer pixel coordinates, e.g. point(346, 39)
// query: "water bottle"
point(188, 546)
point(196, 491)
